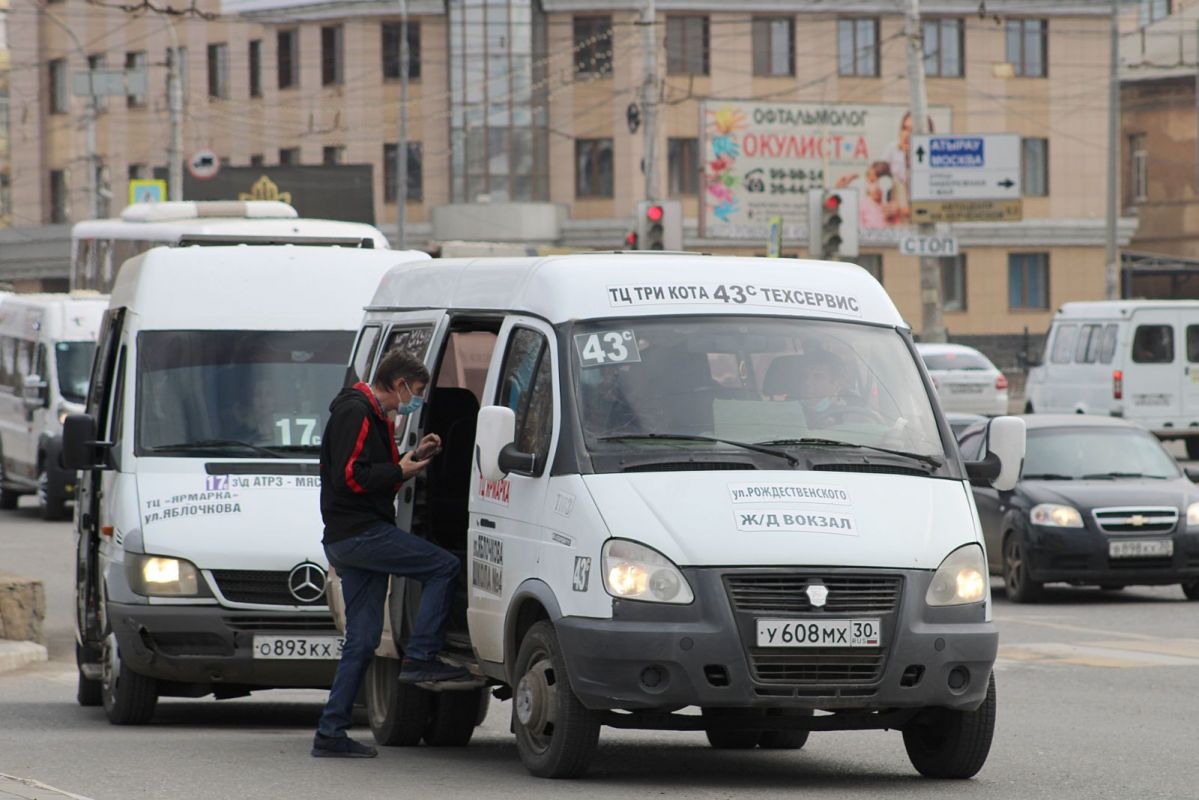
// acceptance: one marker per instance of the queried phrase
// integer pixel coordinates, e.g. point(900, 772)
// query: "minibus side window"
point(1193, 344)
point(1153, 344)
point(970, 445)
point(1085, 334)
point(117, 403)
point(1108, 352)
point(1063, 344)
point(526, 388)
point(364, 355)
point(411, 340)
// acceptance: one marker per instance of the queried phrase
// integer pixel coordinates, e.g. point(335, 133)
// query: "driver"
point(822, 389)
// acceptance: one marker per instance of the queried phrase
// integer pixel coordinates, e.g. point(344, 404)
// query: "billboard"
point(760, 160)
point(342, 192)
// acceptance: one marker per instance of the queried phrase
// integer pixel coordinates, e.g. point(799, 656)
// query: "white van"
point(200, 567)
point(46, 347)
point(682, 481)
point(1137, 359)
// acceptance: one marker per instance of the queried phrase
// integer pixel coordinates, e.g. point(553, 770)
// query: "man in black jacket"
point(361, 471)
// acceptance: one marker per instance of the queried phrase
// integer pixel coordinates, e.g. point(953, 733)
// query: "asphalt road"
point(1097, 699)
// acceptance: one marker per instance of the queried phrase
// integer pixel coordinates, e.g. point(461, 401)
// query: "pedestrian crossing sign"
point(146, 190)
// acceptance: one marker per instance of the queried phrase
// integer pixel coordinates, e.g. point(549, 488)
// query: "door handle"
point(486, 523)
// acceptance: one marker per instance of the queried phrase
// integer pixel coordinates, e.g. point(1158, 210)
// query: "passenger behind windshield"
point(751, 380)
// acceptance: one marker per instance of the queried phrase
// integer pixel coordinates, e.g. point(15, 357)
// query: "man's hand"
point(429, 446)
point(410, 465)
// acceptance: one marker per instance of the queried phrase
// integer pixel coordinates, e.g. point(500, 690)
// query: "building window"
point(872, 263)
point(687, 45)
point(857, 47)
point(1034, 156)
point(1028, 47)
point(391, 178)
point(256, 68)
point(138, 172)
point(1153, 10)
point(1028, 280)
point(682, 158)
point(1138, 168)
point(593, 45)
point(135, 61)
point(774, 46)
point(218, 71)
point(331, 55)
point(593, 168)
point(59, 212)
point(953, 283)
point(289, 155)
point(391, 50)
point(258, 160)
point(287, 58)
point(60, 96)
point(95, 62)
point(333, 154)
point(943, 57)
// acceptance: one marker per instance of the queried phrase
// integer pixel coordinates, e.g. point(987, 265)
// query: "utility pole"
point(91, 157)
point(932, 327)
point(649, 98)
point(402, 147)
point(1111, 272)
point(175, 105)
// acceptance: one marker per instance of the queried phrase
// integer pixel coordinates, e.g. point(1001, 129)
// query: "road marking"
point(1062, 626)
point(1112, 654)
point(32, 784)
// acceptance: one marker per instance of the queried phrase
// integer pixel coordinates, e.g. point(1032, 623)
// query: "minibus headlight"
point(1055, 516)
point(961, 578)
point(161, 576)
point(635, 572)
point(1193, 515)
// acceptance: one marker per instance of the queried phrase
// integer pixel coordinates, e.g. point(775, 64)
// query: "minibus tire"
point(397, 712)
point(786, 739)
point(89, 692)
point(943, 743)
point(575, 734)
point(129, 698)
point(1191, 589)
point(730, 739)
point(1019, 586)
point(8, 498)
point(50, 504)
point(454, 717)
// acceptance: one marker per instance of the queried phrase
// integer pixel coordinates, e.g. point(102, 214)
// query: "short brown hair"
point(399, 365)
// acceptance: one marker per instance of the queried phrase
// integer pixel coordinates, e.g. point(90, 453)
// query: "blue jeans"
point(365, 563)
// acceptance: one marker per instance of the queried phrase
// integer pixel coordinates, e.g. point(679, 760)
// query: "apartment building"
point(539, 102)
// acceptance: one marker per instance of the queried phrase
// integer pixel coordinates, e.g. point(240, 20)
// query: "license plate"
point(819, 633)
point(1141, 548)
point(298, 647)
point(966, 388)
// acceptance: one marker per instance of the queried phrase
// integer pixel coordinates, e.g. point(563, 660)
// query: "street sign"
point(967, 211)
point(109, 82)
point(966, 167)
point(914, 244)
point(146, 190)
point(774, 244)
point(204, 164)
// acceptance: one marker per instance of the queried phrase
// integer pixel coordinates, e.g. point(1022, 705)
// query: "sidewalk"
point(14, 655)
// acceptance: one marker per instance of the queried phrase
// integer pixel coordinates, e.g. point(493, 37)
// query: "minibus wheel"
point(129, 698)
point(785, 739)
point(397, 712)
point(556, 735)
point(454, 717)
point(8, 498)
point(943, 743)
point(51, 505)
point(1191, 590)
point(89, 692)
point(730, 739)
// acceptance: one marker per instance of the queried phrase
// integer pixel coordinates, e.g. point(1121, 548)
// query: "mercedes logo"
point(817, 594)
point(307, 582)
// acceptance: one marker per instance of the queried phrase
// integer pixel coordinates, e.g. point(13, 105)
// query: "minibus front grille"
point(263, 587)
point(820, 666)
point(306, 623)
point(785, 593)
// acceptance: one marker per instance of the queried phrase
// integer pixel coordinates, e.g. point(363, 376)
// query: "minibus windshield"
point(653, 382)
point(237, 393)
point(73, 361)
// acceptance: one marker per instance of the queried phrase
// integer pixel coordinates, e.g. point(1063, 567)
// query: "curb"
point(14, 655)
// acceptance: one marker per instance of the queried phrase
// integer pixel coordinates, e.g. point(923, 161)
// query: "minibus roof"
point(69, 316)
point(597, 285)
point(285, 287)
point(1119, 309)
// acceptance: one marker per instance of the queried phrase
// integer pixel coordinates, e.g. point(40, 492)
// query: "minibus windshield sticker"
point(746, 294)
point(487, 565)
point(789, 493)
point(214, 501)
point(495, 491)
point(274, 481)
point(607, 347)
point(759, 520)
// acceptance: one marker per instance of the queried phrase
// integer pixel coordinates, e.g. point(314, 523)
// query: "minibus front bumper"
point(213, 645)
point(660, 656)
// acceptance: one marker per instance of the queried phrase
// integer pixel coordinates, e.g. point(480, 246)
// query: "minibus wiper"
point(1047, 476)
point(212, 444)
point(1114, 475)
point(932, 461)
point(687, 437)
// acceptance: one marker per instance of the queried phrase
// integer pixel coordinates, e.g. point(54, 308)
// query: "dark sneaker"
point(340, 747)
point(414, 671)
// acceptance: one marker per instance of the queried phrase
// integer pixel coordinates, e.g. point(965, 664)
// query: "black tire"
point(8, 498)
point(397, 712)
point(1028, 408)
point(1191, 590)
point(1192, 444)
point(1111, 587)
point(952, 744)
point(1020, 587)
point(730, 739)
point(454, 717)
point(784, 740)
point(89, 692)
point(50, 502)
point(558, 736)
point(129, 698)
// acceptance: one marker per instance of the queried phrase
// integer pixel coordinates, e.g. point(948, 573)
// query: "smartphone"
point(425, 453)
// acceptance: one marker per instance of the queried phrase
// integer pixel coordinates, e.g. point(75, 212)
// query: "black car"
point(1099, 501)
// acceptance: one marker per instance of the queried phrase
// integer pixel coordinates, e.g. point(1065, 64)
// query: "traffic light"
point(833, 223)
point(659, 226)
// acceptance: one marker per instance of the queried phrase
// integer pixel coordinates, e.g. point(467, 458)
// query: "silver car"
point(966, 380)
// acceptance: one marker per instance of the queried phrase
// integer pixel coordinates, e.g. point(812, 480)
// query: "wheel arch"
point(532, 601)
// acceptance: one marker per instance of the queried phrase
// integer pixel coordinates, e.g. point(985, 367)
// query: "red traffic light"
point(630, 240)
point(832, 202)
point(654, 213)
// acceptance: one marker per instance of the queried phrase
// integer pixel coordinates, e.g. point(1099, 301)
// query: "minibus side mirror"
point(495, 431)
point(33, 391)
point(80, 450)
point(1005, 455)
